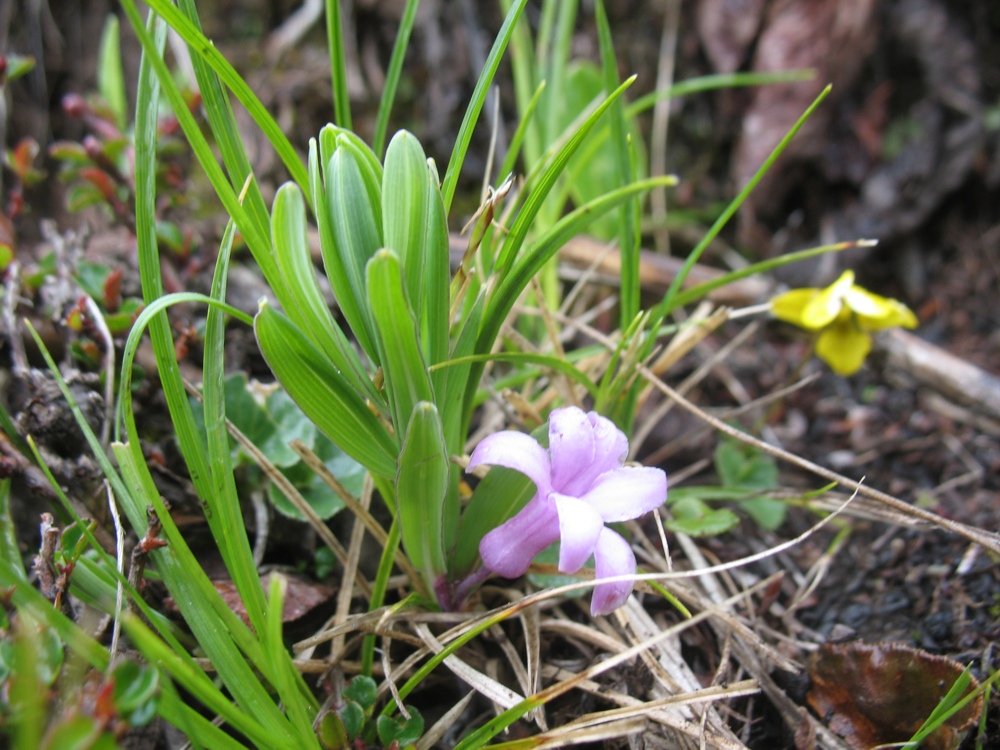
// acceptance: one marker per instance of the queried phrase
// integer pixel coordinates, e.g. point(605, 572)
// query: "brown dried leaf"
point(727, 29)
point(301, 597)
point(874, 694)
point(831, 36)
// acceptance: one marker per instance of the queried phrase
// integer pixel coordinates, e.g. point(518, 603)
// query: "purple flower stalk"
point(582, 484)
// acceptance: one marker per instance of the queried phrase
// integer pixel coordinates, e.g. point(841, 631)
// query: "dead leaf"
point(872, 694)
point(727, 29)
point(301, 597)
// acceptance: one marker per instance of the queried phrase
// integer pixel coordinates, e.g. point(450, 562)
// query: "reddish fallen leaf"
point(727, 29)
point(873, 694)
point(301, 597)
point(833, 37)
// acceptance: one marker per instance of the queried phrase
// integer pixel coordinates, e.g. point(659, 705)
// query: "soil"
point(906, 149)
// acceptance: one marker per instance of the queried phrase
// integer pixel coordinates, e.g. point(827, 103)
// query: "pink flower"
point(582, 484)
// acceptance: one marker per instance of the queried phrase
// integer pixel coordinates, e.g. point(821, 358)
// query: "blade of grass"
point(557, 364)
point(379, 586)
point(700, 290)
point(188, 436)
point(203, 47)
point(171, 707)
point(199, 686)
point(110, 79)
point(450, 181)
point(196, 597)
point(219, 111)
point(526, 80)
point(226, 500)
point(525, 127)
point(145, 143)
point(545, 247)
point(338, 64)
point(718, 81)
point(533, 204)
point(667, 305)
point(298, 701)
point(393, 73)
point(628, 235)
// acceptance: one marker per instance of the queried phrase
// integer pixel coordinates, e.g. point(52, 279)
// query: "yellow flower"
point(843, 314)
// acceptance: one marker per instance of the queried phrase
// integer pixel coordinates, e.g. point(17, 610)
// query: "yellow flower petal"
point(894, 314)
point(823, 309)
point(789, 306)
point(844, 347)
point(865, 303)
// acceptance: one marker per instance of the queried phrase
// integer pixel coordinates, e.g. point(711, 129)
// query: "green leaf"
point(80, 732)
point(310, 313)
point(321, 392)
point(354, 719)
point(501, 494)
point(401, 731)
point(625, 137)
point(136, 691)
point(362, 691)
point(406, 379)
point(290, 423)
point(332, 732)
point(694, 518)
point(767, 512)
point(91, 276)
point(110, 78)
point(421, 485)
point(19, 65)
point(314, 491)
point(355, 235)
point(414, 227)
point(547, 179)
point(742, 465)
point(203, 49)
point(513, 283)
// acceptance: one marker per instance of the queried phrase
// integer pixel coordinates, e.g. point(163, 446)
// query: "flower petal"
point(823, 309)
point(610, 451)
point(610, 444)
point(612, 557)
point(789, 306)
point(517, 451)
point(863, 302)
point(579, 527)
point(509, 549)
point(893, 313)
point(843, 347)
point(628, 492)
point(571, 446)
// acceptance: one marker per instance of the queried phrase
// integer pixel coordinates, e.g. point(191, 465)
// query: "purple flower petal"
point(509, 549)
point(517, 451)
point(571, 446)
point(612, 557)
point(628, 492)
point(610, 444)
point(579, 527)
